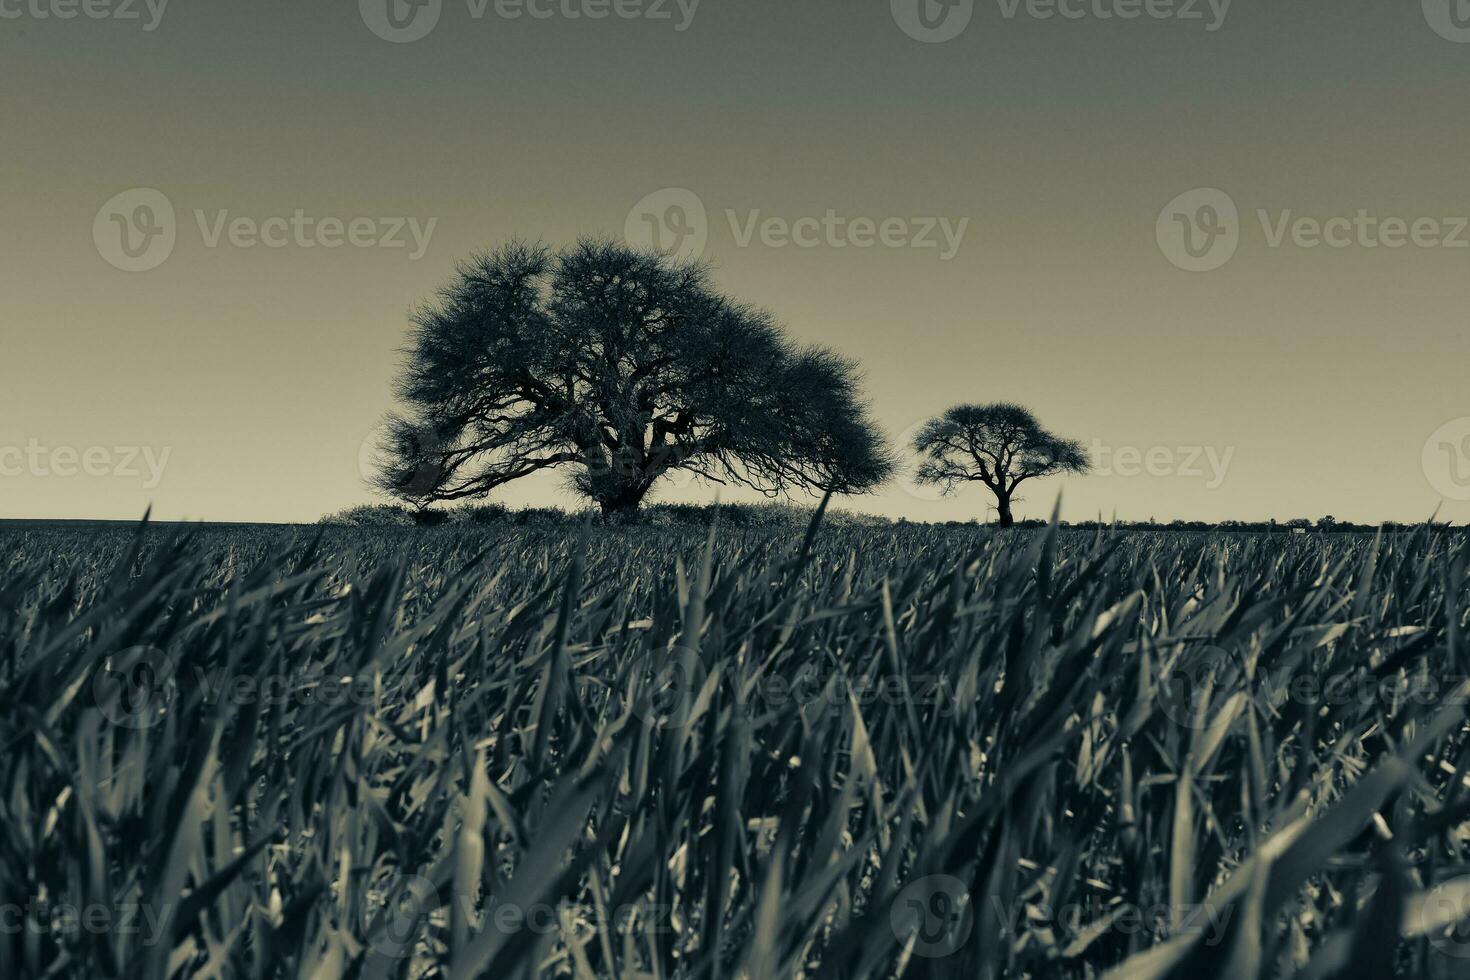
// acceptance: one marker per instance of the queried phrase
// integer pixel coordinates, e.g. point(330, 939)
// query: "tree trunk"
point(1003, 508)
point(622, 506)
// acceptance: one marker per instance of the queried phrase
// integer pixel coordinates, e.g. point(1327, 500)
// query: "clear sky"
point(237, 377)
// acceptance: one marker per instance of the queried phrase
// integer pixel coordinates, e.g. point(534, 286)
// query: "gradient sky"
point(1322, 372)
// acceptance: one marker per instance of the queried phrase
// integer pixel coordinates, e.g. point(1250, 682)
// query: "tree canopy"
point(1000, 446)
point(619, 366)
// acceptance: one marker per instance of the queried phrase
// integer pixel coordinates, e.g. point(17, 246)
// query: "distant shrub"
point(774, 515)
point(844, 518)
point(729, 515)
point(545, 517)
point(483, 514)
point(371, 515)
point(763, 515)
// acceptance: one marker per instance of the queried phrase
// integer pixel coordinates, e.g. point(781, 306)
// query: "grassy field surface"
point(467, 752)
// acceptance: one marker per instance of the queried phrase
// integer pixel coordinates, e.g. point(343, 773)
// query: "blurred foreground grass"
point(911, 751)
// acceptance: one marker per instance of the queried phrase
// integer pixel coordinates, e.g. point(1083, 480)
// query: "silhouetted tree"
point(1000, 445)
point(622, 366)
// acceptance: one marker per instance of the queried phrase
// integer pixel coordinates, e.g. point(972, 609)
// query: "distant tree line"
point(788, 516)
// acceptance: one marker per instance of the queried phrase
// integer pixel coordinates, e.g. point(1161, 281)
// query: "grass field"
point(909, 751)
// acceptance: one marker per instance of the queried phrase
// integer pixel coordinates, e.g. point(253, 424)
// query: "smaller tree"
point(1000, 445)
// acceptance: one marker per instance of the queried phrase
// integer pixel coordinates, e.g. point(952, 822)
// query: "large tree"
point(620, 366)
point(1001, 446)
